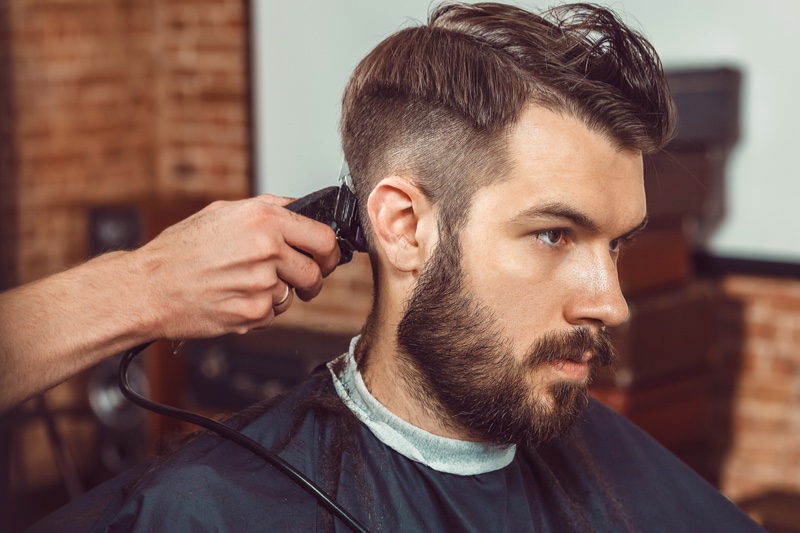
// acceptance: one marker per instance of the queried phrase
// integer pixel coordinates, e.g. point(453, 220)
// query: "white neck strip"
point(451, 456)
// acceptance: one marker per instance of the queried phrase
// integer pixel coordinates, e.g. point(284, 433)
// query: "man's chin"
point(569, 395)
point(566, 401)
point(560, 397)
point(552, 415)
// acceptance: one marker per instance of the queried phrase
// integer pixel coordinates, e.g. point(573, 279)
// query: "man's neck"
point(393, 381)
point(442, 454)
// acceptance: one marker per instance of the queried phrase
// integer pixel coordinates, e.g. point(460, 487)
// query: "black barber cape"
point(606, 475)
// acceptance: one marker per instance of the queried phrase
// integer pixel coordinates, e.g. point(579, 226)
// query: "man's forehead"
point(558, 138)
point(561, 169)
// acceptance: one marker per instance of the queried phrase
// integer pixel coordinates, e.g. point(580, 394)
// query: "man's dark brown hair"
point(437, 102)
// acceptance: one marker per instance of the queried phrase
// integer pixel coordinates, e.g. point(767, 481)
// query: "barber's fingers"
point(313, 238)
point(269, 304)
point(264, 198)
point(282, 298)
point(277, 200)
point(301, 272)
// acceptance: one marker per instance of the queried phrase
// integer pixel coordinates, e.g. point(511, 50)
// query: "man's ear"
point(403, 223)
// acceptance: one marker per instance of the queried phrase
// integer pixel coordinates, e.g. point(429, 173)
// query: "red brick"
point(759, 329)
point(785, 304)
point(767, 393)
point(784, 366)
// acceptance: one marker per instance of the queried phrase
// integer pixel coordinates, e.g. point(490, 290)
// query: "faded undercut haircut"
point(438, 101)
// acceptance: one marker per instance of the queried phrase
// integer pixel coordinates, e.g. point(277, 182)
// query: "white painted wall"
point(305, 49)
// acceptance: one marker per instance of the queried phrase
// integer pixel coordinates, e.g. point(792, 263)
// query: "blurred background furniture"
point(663, 382)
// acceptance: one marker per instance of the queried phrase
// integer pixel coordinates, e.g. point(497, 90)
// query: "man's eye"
point(552, 237)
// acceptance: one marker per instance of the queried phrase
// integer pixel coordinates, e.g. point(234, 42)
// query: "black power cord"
point(235, 436)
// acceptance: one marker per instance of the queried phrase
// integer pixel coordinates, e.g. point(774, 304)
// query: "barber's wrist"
point(142, 311)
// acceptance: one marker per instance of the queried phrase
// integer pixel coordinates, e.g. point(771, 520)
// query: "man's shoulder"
point(284, 425)
point(614, 467)
point(615, 446)
point(215, 482)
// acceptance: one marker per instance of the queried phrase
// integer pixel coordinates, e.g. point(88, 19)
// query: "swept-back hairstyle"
point(437, 101)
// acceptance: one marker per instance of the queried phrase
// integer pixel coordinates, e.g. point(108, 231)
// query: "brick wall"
point(83, 106)
point(7, 183)
point(756, 419)
point(109, 101)
point(116, 100)
point(203, 88)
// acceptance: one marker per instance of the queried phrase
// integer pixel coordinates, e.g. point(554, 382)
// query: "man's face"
point(507, 324)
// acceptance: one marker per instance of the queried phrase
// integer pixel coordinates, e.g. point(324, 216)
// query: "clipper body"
point(336, 207)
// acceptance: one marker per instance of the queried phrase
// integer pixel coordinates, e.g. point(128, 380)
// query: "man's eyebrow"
point(627, 235)
point(563, 211)
point(559, 210)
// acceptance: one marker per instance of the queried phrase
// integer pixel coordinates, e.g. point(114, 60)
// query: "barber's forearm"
point(54, 328)
point(225, 269)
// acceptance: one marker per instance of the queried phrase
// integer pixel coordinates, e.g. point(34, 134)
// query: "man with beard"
point(497, 158)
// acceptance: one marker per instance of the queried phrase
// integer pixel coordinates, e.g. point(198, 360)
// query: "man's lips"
point(572, 370)
point(581, 347)
point(584, 358)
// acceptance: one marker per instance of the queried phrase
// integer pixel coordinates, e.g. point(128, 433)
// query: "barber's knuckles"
point(254, 311)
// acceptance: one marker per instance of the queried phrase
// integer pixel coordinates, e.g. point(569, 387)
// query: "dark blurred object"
point(125, 226)
point(114, 228)
point(660, 258)
point(708, 102)
point(672, 327)
point(232, 372)
point(685, 182)
point(715, 267)
point(776, 511)
point(662, 380)
point(121, 440)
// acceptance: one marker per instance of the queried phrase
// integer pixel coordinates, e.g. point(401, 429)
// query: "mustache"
point(572, 346)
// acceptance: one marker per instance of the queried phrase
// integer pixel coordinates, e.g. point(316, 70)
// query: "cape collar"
point(451, 456)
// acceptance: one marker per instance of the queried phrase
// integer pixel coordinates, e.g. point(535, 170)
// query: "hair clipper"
point(336, 207)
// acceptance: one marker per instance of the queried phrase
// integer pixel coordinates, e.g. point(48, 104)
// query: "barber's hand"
point(231, 268)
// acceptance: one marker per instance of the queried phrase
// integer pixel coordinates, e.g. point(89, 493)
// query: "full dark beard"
point(460, 368)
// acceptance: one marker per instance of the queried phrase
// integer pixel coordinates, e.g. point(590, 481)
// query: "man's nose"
point(597, 297)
